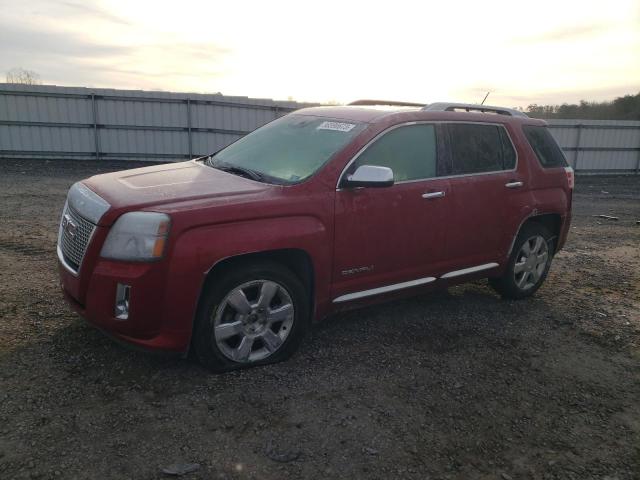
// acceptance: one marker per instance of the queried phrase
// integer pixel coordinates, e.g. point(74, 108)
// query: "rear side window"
point(475, 148)
point(545, 147)
point(409, 151)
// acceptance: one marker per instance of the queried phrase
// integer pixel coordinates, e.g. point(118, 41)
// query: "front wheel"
point(255, 315)
point(528, 265)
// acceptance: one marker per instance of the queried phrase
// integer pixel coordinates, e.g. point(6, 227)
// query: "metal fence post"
point(96, 138)
point(577, 156)
point(189, 128)
point(638, 161)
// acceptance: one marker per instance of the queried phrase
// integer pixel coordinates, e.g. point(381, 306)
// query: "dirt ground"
point(451, 385)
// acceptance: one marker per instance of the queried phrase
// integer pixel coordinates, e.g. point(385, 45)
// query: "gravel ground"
point(457, 384)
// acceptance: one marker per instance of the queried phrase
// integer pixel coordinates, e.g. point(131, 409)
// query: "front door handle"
point(514, 184)
point(433, 195)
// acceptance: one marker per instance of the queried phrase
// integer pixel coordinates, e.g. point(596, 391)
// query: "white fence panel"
point(68, 122)
point(81, 123)
point(599, 146)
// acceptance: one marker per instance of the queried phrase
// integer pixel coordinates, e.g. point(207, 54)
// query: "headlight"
point(137, 236)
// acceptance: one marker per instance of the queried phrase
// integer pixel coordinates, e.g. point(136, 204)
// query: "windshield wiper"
point(242, 171)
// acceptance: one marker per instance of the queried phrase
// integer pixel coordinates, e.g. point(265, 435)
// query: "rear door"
point(483, 180)
point(394, 237)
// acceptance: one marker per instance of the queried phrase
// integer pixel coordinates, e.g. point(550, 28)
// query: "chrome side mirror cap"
point(369, 176)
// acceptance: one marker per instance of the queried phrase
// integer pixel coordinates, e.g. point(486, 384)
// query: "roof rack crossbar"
point(391, 103)
point(470, 107)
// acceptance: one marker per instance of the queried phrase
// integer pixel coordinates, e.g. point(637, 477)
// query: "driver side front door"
point(392, 238)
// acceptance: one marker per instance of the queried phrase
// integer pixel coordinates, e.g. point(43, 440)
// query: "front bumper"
point(161, 307)
point(153, 322)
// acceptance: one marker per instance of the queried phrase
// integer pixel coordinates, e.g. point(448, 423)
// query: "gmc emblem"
point(68, 226)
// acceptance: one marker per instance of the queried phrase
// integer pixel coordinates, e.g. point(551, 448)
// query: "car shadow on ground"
point(79, 346)
point(437, 321)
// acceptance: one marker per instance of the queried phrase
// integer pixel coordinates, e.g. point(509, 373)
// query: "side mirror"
point(369, 176)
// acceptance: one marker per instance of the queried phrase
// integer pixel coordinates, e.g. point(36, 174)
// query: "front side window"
point(410, 151)
point(475, 148)
point(545, 147)
point(287, 150)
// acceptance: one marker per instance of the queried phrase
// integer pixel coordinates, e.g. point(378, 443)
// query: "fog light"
point(123, 293)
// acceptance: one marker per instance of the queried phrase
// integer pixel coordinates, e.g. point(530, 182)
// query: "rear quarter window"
point(545, 147)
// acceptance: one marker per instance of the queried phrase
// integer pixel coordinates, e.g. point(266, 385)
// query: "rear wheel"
point(255, 315)
point(528, 265)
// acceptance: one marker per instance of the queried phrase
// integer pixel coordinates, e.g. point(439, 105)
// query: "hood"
point(175, 182)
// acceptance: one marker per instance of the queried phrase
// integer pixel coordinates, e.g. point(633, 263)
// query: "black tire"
point(507, 285)
point(205, 344)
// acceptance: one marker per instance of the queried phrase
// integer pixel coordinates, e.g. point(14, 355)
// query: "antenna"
point(485, 97)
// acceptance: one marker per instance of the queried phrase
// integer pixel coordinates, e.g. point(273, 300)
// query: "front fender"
point(196, 251)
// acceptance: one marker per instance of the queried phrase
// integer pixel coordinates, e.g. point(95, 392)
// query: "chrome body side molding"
point(466, 271)
point(386, 289)
point(412, 283)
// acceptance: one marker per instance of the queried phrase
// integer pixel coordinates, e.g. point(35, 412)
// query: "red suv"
point(234, 254)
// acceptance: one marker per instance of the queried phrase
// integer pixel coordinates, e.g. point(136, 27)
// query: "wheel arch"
point(551, 221)
point(297, 260)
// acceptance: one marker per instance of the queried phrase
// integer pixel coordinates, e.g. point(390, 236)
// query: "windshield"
point(287, 150)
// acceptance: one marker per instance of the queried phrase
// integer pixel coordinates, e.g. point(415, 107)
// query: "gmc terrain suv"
point(234, 254)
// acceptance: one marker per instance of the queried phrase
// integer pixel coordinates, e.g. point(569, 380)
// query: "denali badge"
point(351, 271)
point(68, 226)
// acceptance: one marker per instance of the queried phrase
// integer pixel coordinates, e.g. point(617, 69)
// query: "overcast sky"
point(323, 50)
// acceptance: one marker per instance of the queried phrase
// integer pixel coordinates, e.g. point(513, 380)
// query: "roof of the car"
point(373, 114)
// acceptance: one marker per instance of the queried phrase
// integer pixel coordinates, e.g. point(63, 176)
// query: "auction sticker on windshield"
point(338, 126)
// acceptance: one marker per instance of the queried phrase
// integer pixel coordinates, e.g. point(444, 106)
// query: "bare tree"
point(22, 76)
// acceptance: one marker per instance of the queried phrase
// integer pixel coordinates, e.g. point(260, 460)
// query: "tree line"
point(626, 107)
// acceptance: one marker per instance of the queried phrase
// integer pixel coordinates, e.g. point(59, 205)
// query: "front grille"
point(75, 233)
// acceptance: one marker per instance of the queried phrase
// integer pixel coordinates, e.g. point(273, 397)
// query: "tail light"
point(570, 177)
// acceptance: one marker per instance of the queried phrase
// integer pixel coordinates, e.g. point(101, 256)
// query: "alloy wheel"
point(253, 321)
point(531, 262)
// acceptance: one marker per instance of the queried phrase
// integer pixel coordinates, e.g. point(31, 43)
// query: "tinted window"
point(475, 148)
point(546, 148)
point(409, 151)
point(508, 153)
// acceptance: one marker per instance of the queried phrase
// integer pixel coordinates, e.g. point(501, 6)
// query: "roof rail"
point(469, 107)
point(392, 103)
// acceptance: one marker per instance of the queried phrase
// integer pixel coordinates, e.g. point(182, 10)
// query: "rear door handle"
point(433, 195)
point(514, 184)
